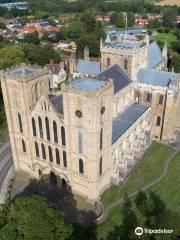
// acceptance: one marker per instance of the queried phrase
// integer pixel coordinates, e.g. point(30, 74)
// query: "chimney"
point(61, 65)
point(51, 61)
point(86, 54)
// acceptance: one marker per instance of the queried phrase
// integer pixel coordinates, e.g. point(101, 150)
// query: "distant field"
point(169, 2)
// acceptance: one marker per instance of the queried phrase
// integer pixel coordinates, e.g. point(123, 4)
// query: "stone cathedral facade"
point(92, 133)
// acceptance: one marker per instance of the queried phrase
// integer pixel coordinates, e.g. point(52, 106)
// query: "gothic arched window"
point(108, 62)
point(125, 64)
point(158, 122)
point(47, 129)
point(80, 147)
point(44, 105)
point(63, 139)
point(55, 132)
point(40, 127)
point(34, 127)
point(161, 99)
point(148, 97)
point(101, 139)
point(36, 149)
point(64, 159)
point(43, 151)
point(50, 154)
point(81, 166)
point(23, 145)
point(20, 123)
point(57, 157)
point(100, 167)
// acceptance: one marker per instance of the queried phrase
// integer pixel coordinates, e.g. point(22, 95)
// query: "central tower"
point(88, 123)
point(129, 52)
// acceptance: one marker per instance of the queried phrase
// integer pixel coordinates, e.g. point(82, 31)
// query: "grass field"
point(169, 2)
point(162, 37)
point(150, 168)
point(168, 190)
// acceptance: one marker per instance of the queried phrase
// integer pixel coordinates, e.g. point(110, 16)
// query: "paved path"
point(147, 186)
point(5, 161)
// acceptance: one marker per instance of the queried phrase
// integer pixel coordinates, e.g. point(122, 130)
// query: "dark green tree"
point(33, 218)
point(2, 26)
point(176, 63)
point(32, 38)
point(11, 55)
point(40, 55)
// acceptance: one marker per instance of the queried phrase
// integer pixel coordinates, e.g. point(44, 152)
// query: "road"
point(5, 161)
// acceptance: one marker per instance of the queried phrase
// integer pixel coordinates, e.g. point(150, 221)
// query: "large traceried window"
point(64, 159)
point(63, 138)
point(55, 132)
point(47, 129)
point(34, 127)
point(40, 127)
point(81, 166)
point(23, 146)
point(50, 154)
point(101, 139)
point(43, 151)
point(36, 149)
point(80, 143)
point(20, 123)
point(100, 167)
point(57, 157)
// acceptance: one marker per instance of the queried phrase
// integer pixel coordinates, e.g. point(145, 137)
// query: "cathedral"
point(93, 132)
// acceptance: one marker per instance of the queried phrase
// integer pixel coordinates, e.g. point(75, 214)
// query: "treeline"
point(135, 6)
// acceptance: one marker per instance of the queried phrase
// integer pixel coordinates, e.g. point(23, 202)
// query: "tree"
point(40, 55)
point(130, 19)
point(2, 26)
point(90, 21)
point(33, 218)
point(118, 19)
point(32, 38)
point(169, 17)
point(176, 46)
point(154, 24)
point(176, 63)
point(11, 55)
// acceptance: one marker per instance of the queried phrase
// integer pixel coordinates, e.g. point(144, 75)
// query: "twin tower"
point(68, 133)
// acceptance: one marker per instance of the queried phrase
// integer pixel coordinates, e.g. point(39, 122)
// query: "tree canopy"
point(33, 218)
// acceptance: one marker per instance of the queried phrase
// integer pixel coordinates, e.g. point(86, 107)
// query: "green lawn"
point(150, 168)
point(168, 190)
point(162, 37)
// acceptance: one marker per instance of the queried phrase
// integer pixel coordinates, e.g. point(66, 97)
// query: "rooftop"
point(154, 55)
point(57, 101)
point(156, 78)
point(126, 44)
point(124, 121)
point(25, 71)
point(89, 67)
point(87, 84)
point(119, 76)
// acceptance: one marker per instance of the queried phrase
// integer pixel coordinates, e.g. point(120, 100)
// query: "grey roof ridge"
point(117, 66)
